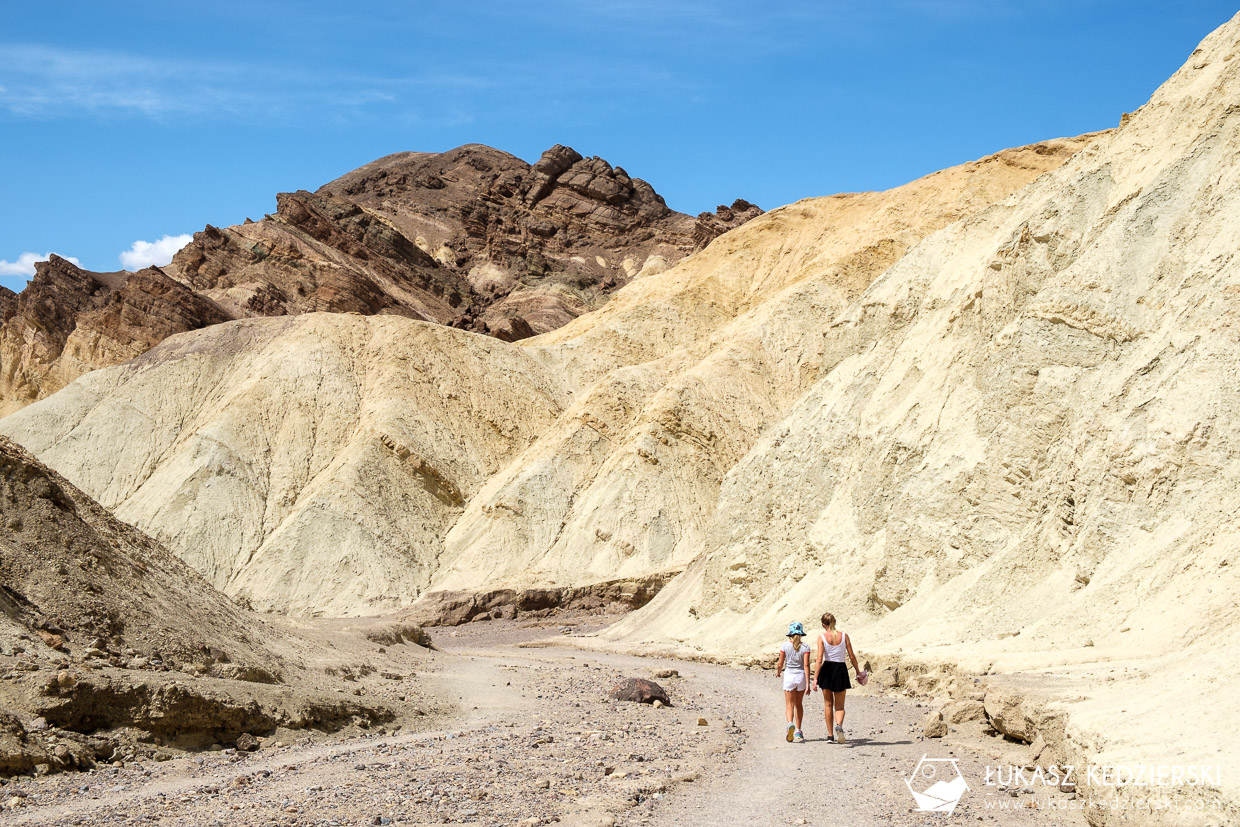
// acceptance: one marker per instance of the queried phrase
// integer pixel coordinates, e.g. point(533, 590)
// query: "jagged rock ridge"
point(473, 238)
point(69, 321)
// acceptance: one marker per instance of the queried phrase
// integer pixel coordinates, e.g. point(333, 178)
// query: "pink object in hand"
point(863, 678)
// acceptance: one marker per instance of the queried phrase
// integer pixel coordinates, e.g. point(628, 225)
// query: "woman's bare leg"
point(828, 710)
point(839, 708)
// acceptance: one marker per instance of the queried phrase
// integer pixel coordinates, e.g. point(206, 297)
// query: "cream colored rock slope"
point(309, 464)
point(1026, 454)
point(711, 353)
point(270, 454)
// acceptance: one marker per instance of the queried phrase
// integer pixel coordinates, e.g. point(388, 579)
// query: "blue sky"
point(130, 121)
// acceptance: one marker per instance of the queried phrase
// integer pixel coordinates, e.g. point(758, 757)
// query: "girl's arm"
point(805, 668)
point(779, 668)
point(851, 656)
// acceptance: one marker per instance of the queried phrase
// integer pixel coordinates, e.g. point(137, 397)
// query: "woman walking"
point(832, 675)
point(794, 667)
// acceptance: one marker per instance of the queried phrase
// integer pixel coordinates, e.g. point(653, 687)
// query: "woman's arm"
point(819, 653)
point(779, 668)
point(851, 656)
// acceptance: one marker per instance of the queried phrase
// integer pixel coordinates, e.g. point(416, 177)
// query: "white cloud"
point(153, 253)
point(24, 266)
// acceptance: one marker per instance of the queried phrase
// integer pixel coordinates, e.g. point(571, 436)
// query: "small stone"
point(667, 673)
point(933, 725)
point(37, 725)
point(657, 704)
point(1067, 787)
point(53, 641)
point(65, 679)
point(701, 722)
point(246, 742)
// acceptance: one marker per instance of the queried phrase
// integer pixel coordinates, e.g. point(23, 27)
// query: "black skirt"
point(833, 676)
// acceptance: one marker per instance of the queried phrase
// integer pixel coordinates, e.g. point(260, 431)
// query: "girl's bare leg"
point(789, 706)
point(798, 708)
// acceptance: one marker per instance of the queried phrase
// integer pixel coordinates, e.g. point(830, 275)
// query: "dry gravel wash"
point(535, 741)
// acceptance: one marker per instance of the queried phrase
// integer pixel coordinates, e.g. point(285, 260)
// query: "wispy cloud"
point(24, 265)
point(153, 253)
point(43, 82)
point(46, 83)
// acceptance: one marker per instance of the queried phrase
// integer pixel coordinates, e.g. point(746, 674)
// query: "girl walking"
point(832, 675)
point(794, 667)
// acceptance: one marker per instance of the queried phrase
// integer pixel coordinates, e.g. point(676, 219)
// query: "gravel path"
point(534, 740)
point(821, 783)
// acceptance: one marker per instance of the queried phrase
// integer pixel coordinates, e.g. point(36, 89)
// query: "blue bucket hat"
point(796, 629)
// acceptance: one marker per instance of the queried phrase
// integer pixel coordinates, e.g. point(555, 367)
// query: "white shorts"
point(795, 681)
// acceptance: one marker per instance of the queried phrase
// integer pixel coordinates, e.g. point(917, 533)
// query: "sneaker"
point(791, 730)
point(830, 739)
point(799, 738)
point(840, 737)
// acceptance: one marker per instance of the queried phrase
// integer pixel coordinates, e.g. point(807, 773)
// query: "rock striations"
point(473, 238)
point(69, 321)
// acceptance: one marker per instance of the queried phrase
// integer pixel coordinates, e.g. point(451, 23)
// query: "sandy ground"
point(532, 738)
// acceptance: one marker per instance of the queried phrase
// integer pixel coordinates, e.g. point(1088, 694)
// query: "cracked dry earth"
point(533, 739)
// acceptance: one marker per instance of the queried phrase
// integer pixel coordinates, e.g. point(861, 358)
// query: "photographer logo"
point(936, 784)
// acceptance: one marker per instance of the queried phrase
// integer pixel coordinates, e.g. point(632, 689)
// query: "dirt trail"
point(822, 783)
point(534, 740)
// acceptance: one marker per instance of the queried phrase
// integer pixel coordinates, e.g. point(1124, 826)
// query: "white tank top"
point(838, 652)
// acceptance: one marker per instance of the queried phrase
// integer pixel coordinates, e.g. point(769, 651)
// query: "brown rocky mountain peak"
point(474, 238)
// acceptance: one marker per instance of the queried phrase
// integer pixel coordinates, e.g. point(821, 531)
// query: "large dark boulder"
point(640, 690)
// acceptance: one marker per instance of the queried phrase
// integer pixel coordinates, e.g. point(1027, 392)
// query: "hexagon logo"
point(936, 784)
